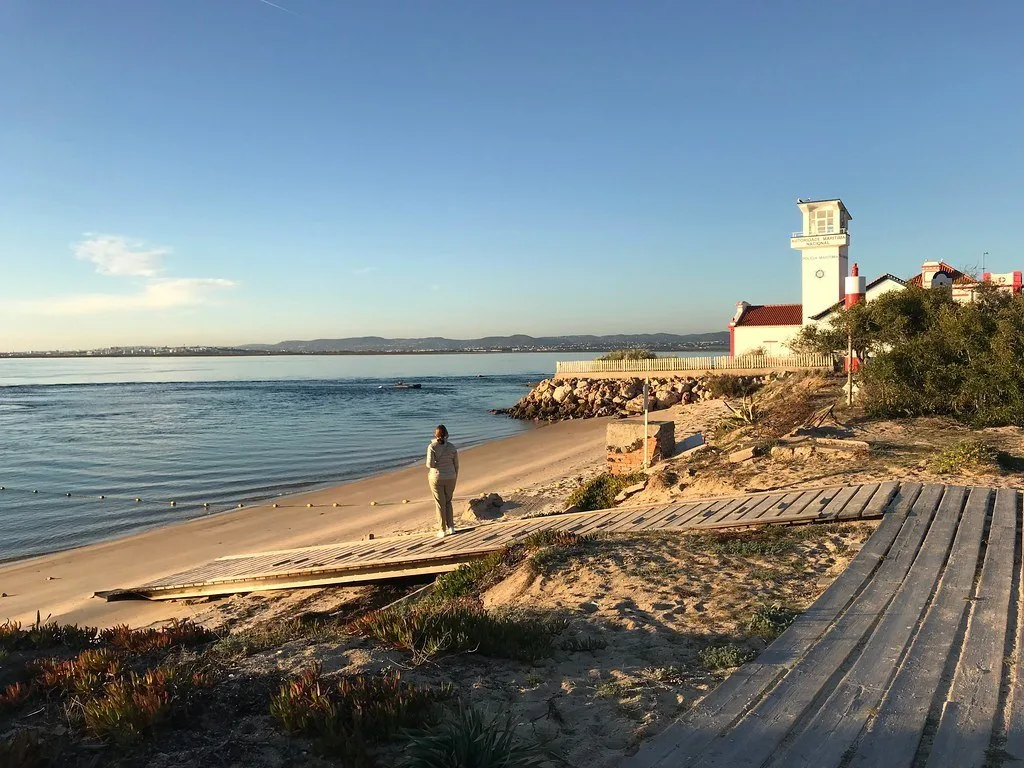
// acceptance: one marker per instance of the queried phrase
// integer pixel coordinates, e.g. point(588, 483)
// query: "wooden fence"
point(679, 364)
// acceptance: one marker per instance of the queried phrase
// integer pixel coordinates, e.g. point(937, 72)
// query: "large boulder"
point(561, 393)
point(486, 506)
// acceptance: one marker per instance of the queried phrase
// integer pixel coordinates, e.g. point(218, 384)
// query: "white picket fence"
point(673, 364)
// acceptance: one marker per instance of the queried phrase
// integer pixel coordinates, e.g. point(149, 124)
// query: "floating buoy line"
point(114, 497)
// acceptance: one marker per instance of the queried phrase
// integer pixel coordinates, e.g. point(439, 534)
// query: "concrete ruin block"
point(628, 491)
point(625, 444)
point(486, 506)
point(738, 457)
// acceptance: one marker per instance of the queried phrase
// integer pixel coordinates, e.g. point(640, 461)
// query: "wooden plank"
point(755, 737)
point(767, 502)
point(784, 504)
point(965, 727)
point(880, 501)
point(685, 519)
point(859, 502)
point(683, 742)
point(839, 501)
point(897, 728)
point(810, 504)
point(656, 520)
point(727, 512)
point(1014, 747)
point(824, 738)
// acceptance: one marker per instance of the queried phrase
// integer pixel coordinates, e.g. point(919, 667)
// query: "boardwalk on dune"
point(908, 659)
point(375, 559)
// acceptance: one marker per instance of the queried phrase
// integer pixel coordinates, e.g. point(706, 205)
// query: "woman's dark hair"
point(441, 433)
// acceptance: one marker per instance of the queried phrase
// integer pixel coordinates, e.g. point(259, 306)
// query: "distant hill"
point(518, 342)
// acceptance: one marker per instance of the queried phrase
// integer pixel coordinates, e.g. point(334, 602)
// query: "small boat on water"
point(403, 385)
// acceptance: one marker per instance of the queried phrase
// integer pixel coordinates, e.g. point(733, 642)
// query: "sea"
point(82, 438)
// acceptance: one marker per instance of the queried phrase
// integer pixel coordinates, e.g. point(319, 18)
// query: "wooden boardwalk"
point(908, 659)
point(375, 559)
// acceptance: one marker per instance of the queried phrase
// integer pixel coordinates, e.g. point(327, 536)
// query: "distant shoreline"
point(367, 353)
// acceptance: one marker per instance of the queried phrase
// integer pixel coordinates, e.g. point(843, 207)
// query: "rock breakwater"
point(584, 398)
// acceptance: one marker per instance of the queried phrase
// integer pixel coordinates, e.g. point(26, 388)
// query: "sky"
point(240, 171)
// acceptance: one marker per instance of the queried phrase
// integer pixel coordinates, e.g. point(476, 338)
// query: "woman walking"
point(442, 474)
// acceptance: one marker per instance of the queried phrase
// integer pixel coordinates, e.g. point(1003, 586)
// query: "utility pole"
point(849, 361)
point(647, 390)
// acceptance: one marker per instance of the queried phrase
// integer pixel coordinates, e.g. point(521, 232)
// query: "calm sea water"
point(223, 431)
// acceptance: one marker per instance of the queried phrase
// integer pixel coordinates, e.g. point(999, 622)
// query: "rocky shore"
point(584, 398)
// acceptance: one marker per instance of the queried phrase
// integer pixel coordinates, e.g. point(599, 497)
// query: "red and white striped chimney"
point(854, 288)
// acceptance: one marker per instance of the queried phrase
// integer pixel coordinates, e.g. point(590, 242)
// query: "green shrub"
point(724, 656)
point(600, 492)
point(430, 629)
point(966, 454)
point(731, 386)
point(468, 738)
point(467, 579)
point(629, 354)
point(350, 715)
point(931, 355)
point(770, 621)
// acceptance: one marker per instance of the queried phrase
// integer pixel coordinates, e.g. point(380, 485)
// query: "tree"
point(930, 355)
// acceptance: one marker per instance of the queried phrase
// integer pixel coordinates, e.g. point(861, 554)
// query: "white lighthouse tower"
point(823, 243)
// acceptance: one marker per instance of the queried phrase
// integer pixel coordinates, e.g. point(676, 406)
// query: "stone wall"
point(582, 398)
point(625, 443)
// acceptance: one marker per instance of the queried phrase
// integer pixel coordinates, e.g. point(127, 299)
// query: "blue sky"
point(225, 171)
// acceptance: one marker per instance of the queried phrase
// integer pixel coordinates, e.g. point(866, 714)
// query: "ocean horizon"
point(224, 431)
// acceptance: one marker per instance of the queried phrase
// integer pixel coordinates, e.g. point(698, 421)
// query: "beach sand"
point(61, 585)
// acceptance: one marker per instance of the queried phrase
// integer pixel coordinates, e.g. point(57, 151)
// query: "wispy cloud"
point(116, 255)
point(138, 264)
point(155, 295)
point(363, 270)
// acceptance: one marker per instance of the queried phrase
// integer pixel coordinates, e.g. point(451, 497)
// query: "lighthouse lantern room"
point(823, 244)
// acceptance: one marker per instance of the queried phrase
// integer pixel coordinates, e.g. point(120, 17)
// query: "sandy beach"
point(61, 585)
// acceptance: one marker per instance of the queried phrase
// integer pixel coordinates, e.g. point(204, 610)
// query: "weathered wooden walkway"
point(375, 559)
point(910, 658)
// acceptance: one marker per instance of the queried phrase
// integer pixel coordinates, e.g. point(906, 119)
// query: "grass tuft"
point(185, 634)
point(430, 629)
point(13, 696)
point(587, 644)
point(350, 715)
point(45, 635)
point(770, 621)
point(724, 656)
point(263, 637)
point(131, 706)
point(469, 738)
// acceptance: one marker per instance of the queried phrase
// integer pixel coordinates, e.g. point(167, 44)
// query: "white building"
point(824, 245)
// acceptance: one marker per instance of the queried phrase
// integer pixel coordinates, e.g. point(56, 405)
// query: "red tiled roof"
point(959, 278)
point(772, 314)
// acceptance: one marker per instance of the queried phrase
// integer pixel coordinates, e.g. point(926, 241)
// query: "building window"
point(823, 221)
